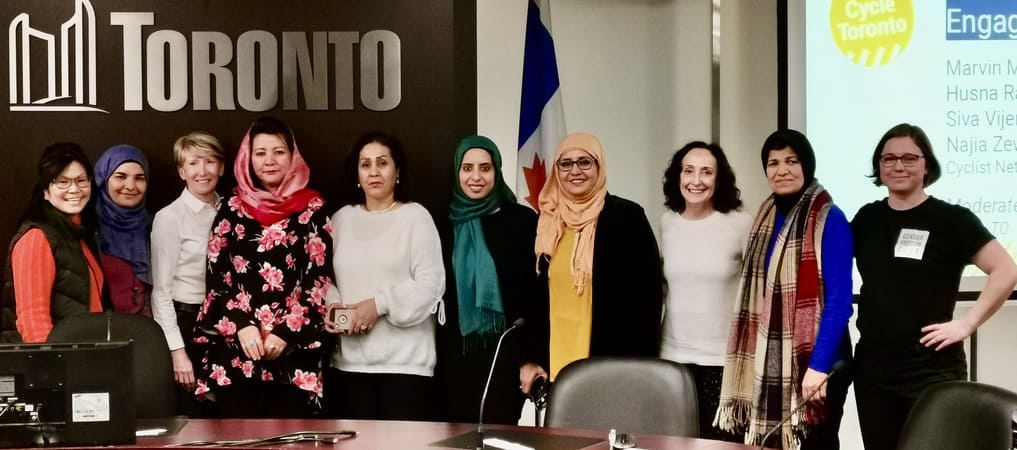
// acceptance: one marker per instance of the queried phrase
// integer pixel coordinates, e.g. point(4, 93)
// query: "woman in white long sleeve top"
point(389, 270)
point(703, 235)
point(179, 246)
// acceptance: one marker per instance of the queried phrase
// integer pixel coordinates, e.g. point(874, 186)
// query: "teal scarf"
point(481, 313)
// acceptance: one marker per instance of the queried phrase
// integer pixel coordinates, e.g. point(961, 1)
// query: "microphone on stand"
point(519, 323)
point(837, 367)
point(109, 325)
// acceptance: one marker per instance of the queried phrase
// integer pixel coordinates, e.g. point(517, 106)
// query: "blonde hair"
point(198, 143)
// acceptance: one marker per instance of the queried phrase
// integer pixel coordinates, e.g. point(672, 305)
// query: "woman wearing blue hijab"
point(492, 283)
point(121, 177)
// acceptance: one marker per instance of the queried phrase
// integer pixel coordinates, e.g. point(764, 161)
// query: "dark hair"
point(798, 143)
point(920, 139)
point(271, 125)
point(355, 195)
point(267, 125)
point(726, 195)
point(52, 162)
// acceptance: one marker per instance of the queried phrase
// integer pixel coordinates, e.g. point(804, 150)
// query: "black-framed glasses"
point(908, 159)
point(65, 183)
point(584, 163)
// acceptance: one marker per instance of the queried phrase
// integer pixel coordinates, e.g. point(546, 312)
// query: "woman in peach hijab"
point(597, 255)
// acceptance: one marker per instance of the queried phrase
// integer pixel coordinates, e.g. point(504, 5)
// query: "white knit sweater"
point(394, 257)
point(702, 264)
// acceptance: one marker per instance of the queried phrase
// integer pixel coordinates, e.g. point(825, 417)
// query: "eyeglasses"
point(65, 183)
point(908, 159)
point(565, 165)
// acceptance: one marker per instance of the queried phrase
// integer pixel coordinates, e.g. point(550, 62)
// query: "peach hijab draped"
point(559, 209)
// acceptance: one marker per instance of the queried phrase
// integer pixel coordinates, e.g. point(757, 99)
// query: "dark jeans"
point(887, 383)
point(384, 396)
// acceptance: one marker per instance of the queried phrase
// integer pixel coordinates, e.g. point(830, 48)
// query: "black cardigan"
point(628, 288)
point(509, 234)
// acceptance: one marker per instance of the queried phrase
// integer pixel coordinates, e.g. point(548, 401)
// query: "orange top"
point(34, 271)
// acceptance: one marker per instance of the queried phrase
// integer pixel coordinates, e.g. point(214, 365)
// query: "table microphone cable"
point(322, 437)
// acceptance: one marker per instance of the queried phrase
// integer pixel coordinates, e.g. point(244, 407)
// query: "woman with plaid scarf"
point(790, 323)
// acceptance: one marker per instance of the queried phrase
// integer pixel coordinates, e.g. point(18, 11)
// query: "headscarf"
point(481, 312)
point(123, 232)
point(291, 196)
point(559, 209)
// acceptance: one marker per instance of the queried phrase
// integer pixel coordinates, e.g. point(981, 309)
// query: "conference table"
point(377, 434)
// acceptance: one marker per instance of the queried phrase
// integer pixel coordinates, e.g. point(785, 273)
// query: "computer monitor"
point(67, 394)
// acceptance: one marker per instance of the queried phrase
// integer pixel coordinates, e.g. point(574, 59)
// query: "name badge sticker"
point(90, 407)
point(911, 243)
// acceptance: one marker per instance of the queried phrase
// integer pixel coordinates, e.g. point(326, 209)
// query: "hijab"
point(481, 312)
point(291, 196)
point(123, 232)
point(559, 209)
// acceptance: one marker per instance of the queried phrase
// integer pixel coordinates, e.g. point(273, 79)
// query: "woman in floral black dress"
point(269, 270)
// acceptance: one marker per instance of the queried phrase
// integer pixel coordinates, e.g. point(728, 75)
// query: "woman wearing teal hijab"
point(491, 283)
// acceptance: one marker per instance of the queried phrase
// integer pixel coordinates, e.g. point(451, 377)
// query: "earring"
point(397, 180)
point(358, 185)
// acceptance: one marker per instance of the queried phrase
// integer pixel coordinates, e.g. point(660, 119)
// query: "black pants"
point(887, 383)
point(378, 396)
point(263, 400)
point(187, 403)
point(826, 435)
point(461, 379)
point(708, 380)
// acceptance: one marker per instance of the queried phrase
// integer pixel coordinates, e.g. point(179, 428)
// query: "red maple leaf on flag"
point(535, 177)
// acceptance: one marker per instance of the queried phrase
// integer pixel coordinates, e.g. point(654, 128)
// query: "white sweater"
point(394, 257)
point(702, 264)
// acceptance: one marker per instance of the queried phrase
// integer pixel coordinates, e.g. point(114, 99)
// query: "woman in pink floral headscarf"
point(269, 270)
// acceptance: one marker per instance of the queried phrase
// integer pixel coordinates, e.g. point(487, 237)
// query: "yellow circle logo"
point(871, 31)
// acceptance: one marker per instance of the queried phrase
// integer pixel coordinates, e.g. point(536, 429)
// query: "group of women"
point(784, 366)
point(75, 251)
point(268, 303)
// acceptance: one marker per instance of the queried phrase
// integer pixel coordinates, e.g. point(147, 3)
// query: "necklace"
point(389, 208)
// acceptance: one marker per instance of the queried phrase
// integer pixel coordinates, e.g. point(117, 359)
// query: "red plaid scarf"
point(777, 318)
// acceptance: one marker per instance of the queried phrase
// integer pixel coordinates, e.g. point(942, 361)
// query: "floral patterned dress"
point(274, 277)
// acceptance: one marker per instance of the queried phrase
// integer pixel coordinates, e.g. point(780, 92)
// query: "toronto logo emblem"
point(256, 69)
point(70, 63)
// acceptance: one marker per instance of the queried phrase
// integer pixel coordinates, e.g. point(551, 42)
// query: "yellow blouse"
point(571, 314)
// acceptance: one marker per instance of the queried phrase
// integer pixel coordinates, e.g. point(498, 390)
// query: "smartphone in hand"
point(339, 319)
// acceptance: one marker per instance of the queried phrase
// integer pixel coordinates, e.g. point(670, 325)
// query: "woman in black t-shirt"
point(911, 250)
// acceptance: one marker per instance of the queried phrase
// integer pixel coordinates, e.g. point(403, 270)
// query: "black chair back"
point(959, 415)
point(632, 395)
point(153, 368)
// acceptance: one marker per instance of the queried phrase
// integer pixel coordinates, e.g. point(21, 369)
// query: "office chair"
point(633, 395)
point(959, 415)
point(153, 368)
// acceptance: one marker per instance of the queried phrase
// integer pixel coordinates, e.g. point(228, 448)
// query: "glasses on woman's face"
point(584, 163)
point(908, 159)
point(65, 183)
